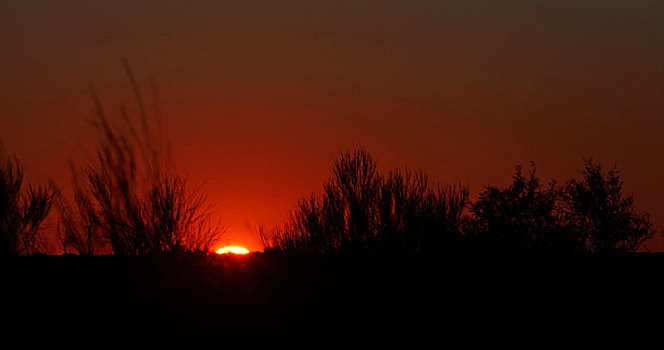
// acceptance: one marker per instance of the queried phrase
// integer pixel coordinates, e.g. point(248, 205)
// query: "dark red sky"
point(258, 96)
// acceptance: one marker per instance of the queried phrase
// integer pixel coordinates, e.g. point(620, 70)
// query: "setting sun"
point(233, 250)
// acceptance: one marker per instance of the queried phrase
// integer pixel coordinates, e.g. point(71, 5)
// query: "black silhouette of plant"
point(602, 215)
point(80, 226)
point(418, 216)
point(22, 211)
point(361, 209)
point(132, 201)
point(587, 215)
point(526, 215)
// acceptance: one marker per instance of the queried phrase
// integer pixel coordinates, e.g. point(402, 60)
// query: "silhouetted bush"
point(418, 216)
point(363, 210)
point(80, 226)
point(131, 200)
point(526, 215)
point(600, 213)
point(21, 211)
point(587, 215)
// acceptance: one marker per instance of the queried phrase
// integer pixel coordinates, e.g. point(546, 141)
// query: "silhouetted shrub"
point(418, 216)
point(80, 226)
point(526, 215)
point(363, 210)
point(21, 211)
point(602, 215)
point(587, 215)
point(131, 200)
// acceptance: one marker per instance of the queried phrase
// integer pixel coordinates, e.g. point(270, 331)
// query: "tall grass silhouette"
point(129, 200)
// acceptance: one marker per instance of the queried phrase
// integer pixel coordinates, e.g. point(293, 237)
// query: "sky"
point(258, 97)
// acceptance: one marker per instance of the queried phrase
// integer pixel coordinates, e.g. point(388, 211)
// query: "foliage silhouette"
point(600, 213)
point(132, 202)
point(526, 215)
point(419, 215)
point(361, 209)
point(22, 212)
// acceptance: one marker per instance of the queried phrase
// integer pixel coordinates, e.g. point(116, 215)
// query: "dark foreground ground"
point(593, 301)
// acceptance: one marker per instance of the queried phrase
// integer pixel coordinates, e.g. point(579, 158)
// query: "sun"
point(232, 250)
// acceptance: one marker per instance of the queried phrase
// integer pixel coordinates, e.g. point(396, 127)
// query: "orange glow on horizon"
point(232, 250)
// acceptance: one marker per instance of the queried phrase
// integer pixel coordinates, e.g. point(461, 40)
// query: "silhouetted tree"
point(363, 210)
point(21, 211)
point(602, 215)
point(132, 200)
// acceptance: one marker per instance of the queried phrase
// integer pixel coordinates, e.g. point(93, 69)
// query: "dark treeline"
point(362, 209)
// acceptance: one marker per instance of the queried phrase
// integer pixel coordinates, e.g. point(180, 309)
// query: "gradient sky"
point(258, 96)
